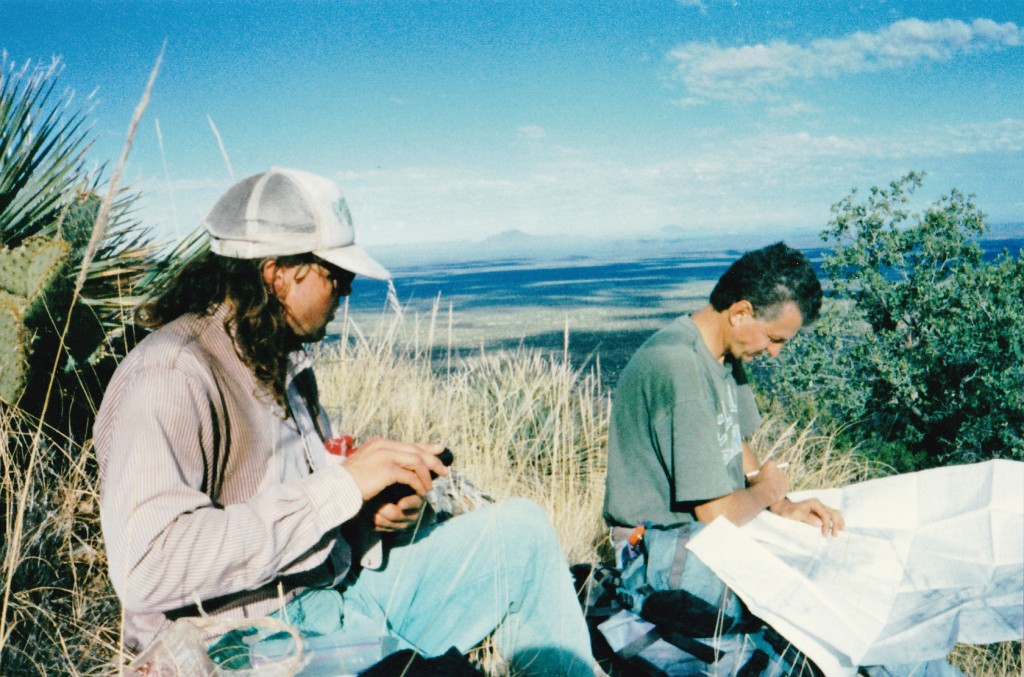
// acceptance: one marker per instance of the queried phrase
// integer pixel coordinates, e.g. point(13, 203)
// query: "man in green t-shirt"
point(682, 410)
point(681, 415)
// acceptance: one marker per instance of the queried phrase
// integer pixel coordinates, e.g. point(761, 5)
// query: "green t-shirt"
point(679, 419)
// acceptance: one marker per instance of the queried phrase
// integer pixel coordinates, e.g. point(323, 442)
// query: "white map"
point(927, 560)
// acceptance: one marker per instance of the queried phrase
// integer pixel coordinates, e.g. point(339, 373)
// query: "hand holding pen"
point(810, 511)
point(769, 482)
point(755, 473)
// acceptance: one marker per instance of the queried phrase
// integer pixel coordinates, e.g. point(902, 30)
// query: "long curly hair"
point(256, 321)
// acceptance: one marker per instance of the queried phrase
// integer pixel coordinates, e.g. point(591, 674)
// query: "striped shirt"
point(209, 493)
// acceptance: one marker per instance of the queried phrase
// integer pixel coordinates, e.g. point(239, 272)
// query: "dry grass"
point(520, 422)
point(61, 614)
point(815, 460)
point(995, 660)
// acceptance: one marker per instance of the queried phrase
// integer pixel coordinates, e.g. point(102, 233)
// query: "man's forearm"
point(750, 462)
point(740, 506)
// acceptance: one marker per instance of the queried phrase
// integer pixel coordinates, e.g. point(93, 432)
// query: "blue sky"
point(457, 120)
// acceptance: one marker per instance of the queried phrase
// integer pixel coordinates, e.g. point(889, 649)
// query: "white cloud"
point(754, 181)
point(711, 72)
point(794, 109)
point(1004, 136)
point(699, 4)
point(532, 132)
point(723, 183)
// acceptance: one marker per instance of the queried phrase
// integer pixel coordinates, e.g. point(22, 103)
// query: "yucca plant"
point(42, 147)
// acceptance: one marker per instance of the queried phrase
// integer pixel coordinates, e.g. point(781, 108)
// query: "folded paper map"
point(928, 559)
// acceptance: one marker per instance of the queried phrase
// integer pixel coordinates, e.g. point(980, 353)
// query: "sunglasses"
point(338, 277)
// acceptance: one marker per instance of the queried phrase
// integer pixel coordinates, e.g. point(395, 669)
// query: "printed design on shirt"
point(730, 440)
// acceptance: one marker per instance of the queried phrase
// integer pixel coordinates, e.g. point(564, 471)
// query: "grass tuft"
point(62, 616)
point(520, 422)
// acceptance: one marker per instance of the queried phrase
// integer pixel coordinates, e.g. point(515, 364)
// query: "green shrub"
point(918, 354)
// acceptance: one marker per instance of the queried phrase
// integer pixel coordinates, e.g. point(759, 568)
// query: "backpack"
point(661, 612)
point(625, 643)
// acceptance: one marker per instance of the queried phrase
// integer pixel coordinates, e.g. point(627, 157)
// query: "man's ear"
point(740, 311)
point(271, 274)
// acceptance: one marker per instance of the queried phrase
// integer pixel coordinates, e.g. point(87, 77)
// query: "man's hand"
point(813, 512)
point(767, 487)
point(398, 516)
point(379, 463)
point(770, 483)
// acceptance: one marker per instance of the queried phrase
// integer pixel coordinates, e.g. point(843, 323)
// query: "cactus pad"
point(27, 274)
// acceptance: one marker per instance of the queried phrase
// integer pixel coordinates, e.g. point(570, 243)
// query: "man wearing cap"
point(216, 494)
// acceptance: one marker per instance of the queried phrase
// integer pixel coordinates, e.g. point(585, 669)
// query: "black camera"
point(397, 492)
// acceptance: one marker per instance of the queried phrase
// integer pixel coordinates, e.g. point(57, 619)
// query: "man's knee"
point(522, 509)
point(525, 518)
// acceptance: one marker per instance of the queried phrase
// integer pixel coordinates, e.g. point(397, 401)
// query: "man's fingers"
point(410, 505)
point(415, 465)
point(398, 516)
point(429, 452)
point(837, 521)
point(814, 512)
point(416, 478)
point(386, 519)
point(405, 509)
point(831, 519)
point(380, 463)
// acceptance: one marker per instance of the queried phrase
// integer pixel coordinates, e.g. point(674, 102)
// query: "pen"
point(755, 473)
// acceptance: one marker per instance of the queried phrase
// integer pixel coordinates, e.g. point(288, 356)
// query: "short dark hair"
point(768, 278)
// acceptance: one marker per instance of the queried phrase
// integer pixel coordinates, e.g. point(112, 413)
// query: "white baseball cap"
point(286, 211)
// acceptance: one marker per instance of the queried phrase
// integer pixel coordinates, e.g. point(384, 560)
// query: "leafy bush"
point(919, 352)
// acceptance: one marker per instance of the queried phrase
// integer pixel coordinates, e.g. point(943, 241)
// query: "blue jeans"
point(497, 569)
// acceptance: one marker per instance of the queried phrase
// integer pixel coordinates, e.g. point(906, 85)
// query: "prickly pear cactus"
point(28, 273)
point(76, 226)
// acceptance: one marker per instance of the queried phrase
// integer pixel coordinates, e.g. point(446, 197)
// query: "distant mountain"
point(506, 247)
point(516, 247)
point(673, 231)
point(1006, 230)
point(510, 237)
